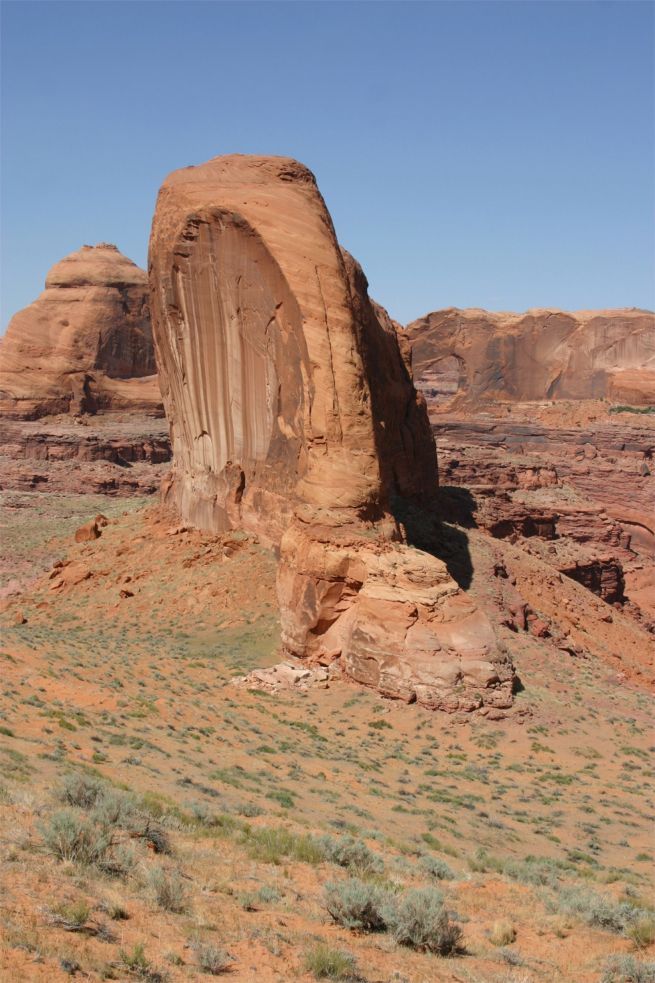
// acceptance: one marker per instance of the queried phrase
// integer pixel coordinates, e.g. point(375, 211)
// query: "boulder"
point(294, 416)
point(88, 532)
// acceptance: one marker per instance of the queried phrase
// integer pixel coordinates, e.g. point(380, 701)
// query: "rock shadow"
point(440, 529)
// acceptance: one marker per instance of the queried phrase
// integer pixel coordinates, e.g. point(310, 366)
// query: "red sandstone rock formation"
point(293, 415)
point(85, 344)
point(88, 532)
point(515, 401)
point(579, 498)
point(108, 454)
point(480, 356)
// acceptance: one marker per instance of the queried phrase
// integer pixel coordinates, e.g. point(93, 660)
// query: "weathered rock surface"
point(283, 676)
point(472, 356)
point(294, 416)
point(580, 498)
point(528, 449)
point(115, 440)
point(85, 344)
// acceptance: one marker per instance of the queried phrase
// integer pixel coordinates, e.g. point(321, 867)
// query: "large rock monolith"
point(294, 416)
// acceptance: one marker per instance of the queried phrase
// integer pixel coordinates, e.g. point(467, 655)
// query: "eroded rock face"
point(293, 415)
point(578, 496)
point(85, 344)
point(473, 355)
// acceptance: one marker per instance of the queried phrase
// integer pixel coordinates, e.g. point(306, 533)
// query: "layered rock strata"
point(85, 344)
point(531, 449)
point(110, 454)
point(294, 416)
point(465, 357)
point(581, 498)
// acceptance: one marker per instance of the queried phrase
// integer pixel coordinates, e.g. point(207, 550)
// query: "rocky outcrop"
point(85, 344)
point(602, 576)
point(113, 454)
point(294, 416)
point(471, 356)
point(58, 441)
point(579, 498)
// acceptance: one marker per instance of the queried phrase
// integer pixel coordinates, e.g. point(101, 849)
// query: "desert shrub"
point(137, 965)
point(273, 844)
point(115, 910)
point(212, 959)
point(420, 921)
point(167, 889)
point(357, 905)
point(502, 933)
point(78, 789)
point(510, 956)
point(250, 809)
point(627, 969)
point(283, 796)
point(153, 834)
point(632, 409)
point(532, 870)
point(74, 915)
point(120, 862)
point(642, 931)
point(598, 910)
point(136, 959)
point(69, 965)
point(436, 868)
point(201, 813)
point(327, 963)
point(350, 853)
point(114, 808)
point(67, 836)
point(249, 900)
point(267, 894)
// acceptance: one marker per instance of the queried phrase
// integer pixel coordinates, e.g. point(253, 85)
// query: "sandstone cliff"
point(293, 415)
point(473, 356)
point(531, 449)
point(85, 344)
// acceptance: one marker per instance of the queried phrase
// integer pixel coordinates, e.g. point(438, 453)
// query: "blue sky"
point(488, 154)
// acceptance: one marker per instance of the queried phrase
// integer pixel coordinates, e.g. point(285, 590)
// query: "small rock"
point(538, 628)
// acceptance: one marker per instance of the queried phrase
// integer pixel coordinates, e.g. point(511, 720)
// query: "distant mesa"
point(85, 344)
point(294, 416)
point(467, 357)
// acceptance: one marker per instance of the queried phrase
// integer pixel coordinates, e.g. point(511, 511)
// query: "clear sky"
point(488, 154)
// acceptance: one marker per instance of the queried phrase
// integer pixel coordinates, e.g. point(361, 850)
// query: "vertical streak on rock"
point(335, 393)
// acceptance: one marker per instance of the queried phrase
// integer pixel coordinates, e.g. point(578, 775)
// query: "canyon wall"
point(531, 448)
point(475, 356)
point(293, 416)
